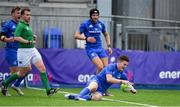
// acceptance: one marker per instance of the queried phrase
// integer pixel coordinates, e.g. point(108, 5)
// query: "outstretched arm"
point(113, 80)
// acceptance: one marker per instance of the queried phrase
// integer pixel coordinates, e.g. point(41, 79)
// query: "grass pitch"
point(142, 98)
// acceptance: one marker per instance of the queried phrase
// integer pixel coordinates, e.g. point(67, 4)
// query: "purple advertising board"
point(73, 67)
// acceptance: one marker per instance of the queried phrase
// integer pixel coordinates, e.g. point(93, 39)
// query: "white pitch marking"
point(106, 99)
point(140, 104)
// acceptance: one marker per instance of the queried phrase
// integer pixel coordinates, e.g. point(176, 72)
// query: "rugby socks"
point(18, 82)
point(87, 97)
point(84, 92)
point(44, 80)
point(10, 79)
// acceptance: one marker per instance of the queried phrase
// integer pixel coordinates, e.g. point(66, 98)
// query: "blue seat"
point(45, 37)
point(53, 38)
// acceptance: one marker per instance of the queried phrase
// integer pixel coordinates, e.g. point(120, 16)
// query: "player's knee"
point(93, 89)
point(100, 67)
point(29, 68)
point(96, 97)
point(93, 86)
point(21, 74)
point(42, 68)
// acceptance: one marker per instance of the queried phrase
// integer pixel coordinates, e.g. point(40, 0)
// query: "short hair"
point(92, 11)
point(14, 9)
point(123, 58)
point(23, 10)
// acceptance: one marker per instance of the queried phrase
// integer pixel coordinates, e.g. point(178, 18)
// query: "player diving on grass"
point(90, 31)
point(98, 84)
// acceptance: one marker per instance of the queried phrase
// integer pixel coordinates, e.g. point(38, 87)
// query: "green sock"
point(44, 80)
point(13, 77)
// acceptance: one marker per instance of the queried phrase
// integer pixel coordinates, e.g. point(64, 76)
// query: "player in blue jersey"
point(7, 35)
point(97, 85)
point(90, 30)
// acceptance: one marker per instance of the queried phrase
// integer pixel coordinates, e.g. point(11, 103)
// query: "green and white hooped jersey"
point(25, 31)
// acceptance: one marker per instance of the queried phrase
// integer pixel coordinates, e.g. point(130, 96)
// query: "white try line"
point(127, 102)
point(105, 99)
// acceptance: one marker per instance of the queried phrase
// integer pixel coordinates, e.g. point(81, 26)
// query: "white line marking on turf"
point(105, 99)
point(40, 89)
point(140, 104)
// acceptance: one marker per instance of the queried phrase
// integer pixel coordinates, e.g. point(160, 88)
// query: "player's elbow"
point(109, 80)
point(17, 38)
point(76, 35)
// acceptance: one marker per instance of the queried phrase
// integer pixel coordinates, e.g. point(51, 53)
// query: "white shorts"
point(26, 56)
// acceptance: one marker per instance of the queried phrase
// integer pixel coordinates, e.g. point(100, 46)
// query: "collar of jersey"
point(13, 20)
point(24, 22)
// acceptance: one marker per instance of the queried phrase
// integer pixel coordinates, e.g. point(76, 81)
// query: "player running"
point(7, 35)
point(28, 54)
point(112, 74)
point(90, 30)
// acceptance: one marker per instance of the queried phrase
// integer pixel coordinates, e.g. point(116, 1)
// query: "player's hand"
point(110, 50)
point(126, 82)
point(32, 42)
point(91, 39)
point(11, 39)
point(34, 37)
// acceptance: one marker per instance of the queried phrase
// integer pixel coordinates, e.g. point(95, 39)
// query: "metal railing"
point(143, 34)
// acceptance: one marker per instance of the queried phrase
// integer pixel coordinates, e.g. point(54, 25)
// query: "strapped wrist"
point(86, 38)
point(109, 45)
point(29, 42)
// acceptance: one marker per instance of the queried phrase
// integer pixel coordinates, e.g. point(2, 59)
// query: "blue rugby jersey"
point(91, 29)
point(110, 69)
point(9, 28)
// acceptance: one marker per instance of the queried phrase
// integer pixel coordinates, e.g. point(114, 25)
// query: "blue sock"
point(11, 82)
point(18, 82)
point(87, 97)
point(84, 92)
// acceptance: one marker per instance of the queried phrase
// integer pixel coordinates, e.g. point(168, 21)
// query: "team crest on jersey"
point(93, 54)
point(90, 25)
point(14, 27)
point(27, 28)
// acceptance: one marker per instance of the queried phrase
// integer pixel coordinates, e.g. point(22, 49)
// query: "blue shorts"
point(100, 52)
point(11, 57)
point(99, 89)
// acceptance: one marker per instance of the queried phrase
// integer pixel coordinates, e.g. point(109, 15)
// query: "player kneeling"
point(100, 83)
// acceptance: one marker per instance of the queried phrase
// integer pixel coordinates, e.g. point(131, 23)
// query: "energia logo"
point(32, 77)
point(84, 78)
point(169, 75)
